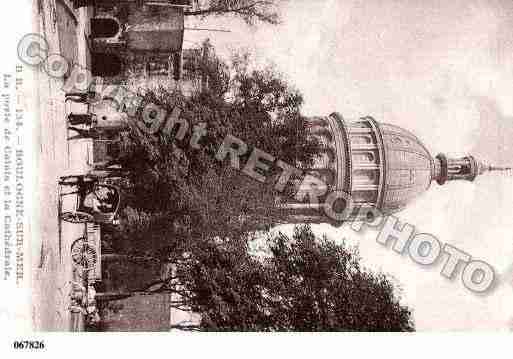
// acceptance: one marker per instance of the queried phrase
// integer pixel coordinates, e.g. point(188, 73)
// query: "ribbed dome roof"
point(379, 165)
point(408, 169)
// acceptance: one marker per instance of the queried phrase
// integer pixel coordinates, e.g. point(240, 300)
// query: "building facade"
point(137, 38)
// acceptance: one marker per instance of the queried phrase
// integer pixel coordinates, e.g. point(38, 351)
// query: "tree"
point(184, 193)
point(304, 283)
point(186, 209)
point(250, 11)
point(321, 285)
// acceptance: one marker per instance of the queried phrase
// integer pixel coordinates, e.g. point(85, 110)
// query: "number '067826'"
point(28, 344)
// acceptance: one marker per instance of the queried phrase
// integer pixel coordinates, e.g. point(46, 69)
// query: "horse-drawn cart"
point(96, 202)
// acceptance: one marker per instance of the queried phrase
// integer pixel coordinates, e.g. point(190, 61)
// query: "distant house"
point(137, 38)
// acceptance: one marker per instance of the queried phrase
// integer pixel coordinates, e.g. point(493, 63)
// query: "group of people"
point(109, 123)
point(83, 301)
point(94, 198)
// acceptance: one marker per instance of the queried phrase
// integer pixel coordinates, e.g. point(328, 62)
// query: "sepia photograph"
point(257, 166)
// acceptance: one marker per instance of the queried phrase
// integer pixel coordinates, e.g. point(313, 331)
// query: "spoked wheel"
point(74, 180)
point(83, 254)
point(68, 180)
point(77, 217)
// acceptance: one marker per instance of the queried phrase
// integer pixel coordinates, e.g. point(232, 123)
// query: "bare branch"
point(249, 10)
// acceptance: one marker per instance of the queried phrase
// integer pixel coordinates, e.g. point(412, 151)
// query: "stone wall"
point(140, 313)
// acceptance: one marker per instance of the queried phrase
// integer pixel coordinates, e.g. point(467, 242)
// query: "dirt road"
point(64, 30)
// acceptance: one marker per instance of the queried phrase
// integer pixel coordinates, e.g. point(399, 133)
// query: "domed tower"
point(377, 165)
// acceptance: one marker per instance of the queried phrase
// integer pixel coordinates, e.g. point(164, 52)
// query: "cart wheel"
point(73, 180)
point(83, 254)
point(68, 180)
point(77, 217)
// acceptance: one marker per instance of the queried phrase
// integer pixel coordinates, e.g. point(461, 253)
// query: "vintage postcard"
point(256, 166)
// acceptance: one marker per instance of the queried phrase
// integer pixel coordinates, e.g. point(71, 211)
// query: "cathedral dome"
point(389, 166)
point(378, 165)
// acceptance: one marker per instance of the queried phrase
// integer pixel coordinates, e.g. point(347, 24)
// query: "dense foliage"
point(302, 283)
point(185, 209)
point(184, 191)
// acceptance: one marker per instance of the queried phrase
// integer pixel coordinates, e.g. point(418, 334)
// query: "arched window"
point(104, 27)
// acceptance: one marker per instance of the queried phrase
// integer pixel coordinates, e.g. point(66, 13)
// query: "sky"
point(440, 69)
